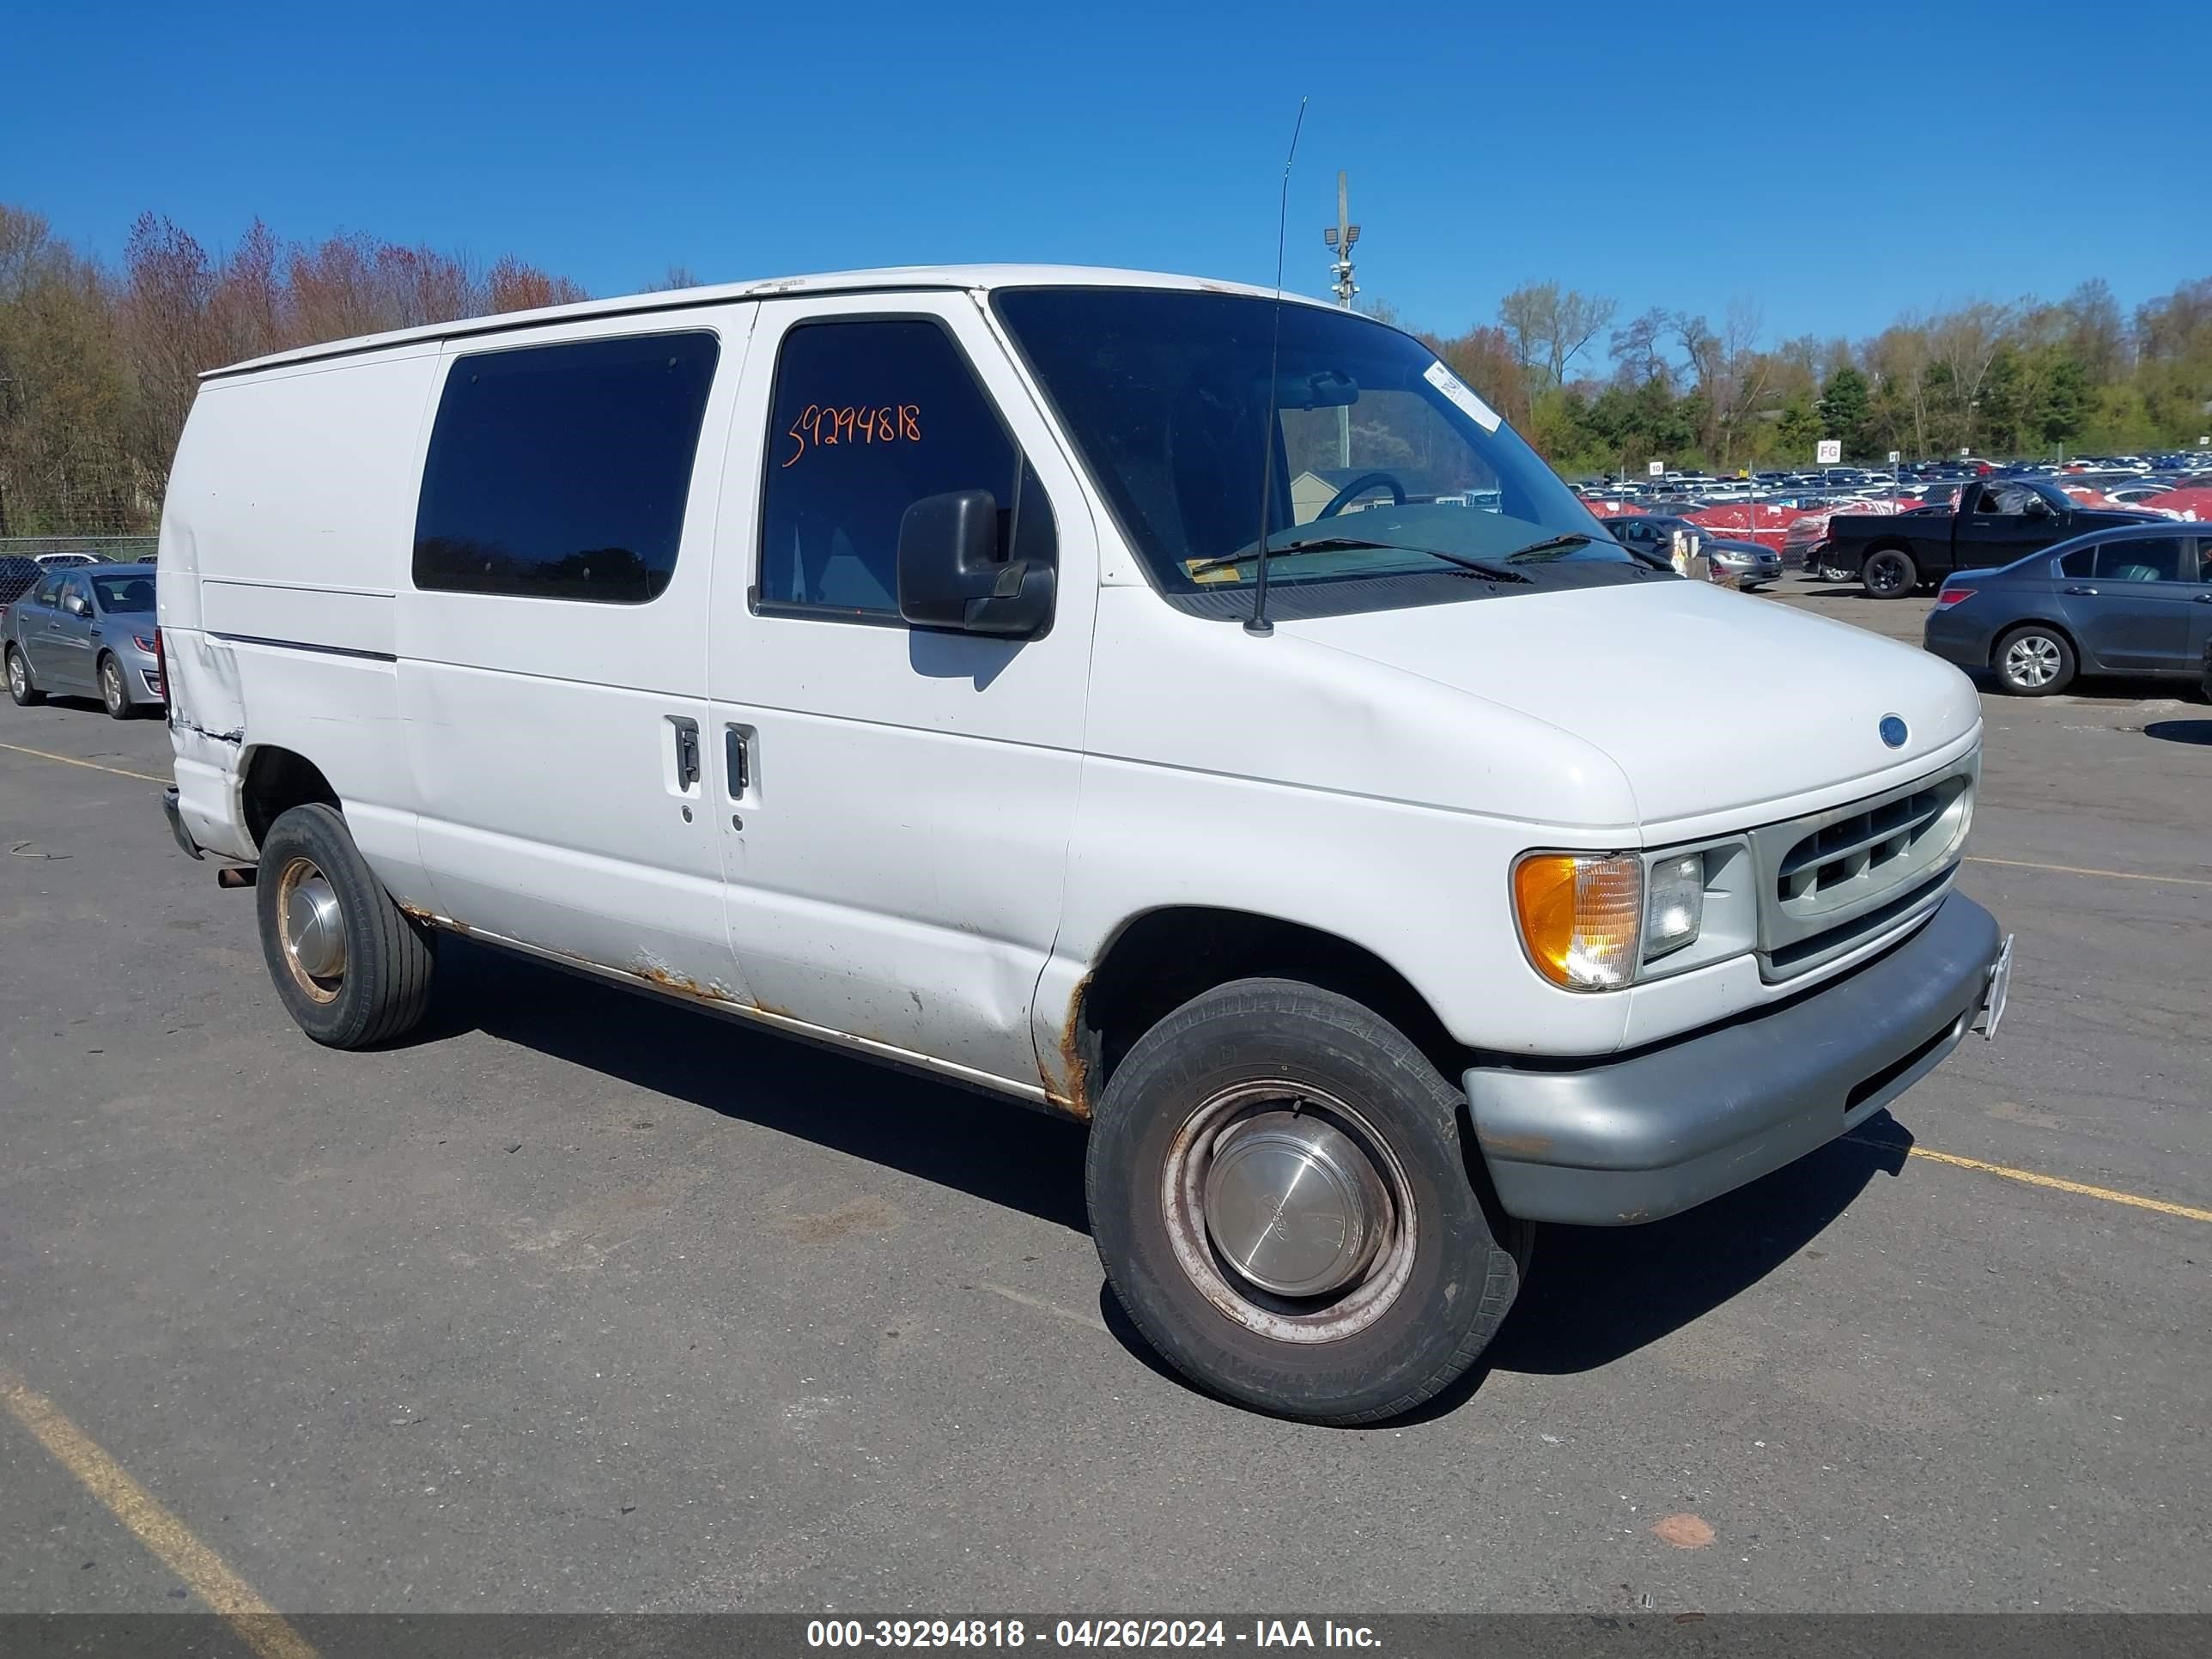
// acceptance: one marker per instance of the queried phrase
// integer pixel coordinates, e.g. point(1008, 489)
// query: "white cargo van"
point(890, 660)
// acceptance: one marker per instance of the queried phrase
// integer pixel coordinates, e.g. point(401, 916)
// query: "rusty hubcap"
point(1288, 1212)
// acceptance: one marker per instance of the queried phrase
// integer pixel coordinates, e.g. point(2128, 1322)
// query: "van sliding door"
point(553, 640)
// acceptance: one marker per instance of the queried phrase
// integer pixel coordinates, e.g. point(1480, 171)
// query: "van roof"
point(886, 279)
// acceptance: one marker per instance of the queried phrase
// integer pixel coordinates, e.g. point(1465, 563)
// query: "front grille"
point(1831, 880)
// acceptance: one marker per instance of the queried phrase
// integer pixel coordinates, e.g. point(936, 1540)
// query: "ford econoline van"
point(1152, 700)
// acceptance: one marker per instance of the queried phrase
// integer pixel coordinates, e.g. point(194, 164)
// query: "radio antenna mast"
point(1257, 623)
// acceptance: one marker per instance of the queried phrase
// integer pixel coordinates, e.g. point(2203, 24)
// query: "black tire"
point(1454, 1277)
point(2033, 660)
point(382, 986)
point(114, 693)
point(20, 685)
point(1889, 574)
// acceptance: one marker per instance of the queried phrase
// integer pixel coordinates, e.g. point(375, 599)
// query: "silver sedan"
point(87, 631)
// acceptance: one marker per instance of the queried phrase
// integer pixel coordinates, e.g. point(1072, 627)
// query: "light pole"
point(1340, 238)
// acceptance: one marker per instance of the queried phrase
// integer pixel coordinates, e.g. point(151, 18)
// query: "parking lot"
point(577, 1301)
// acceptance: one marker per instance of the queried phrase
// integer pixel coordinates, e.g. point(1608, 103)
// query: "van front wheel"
point(350, 968)
point(1283, 1207)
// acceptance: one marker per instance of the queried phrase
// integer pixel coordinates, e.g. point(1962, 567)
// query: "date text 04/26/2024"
point(1085, 1633)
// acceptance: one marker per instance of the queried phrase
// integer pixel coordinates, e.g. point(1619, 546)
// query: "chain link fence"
point(109, 550)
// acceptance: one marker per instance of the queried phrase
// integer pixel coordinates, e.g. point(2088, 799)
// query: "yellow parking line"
point(258, 1625)
point(94, 766)
point(2080, 1190)
point(2073, 869)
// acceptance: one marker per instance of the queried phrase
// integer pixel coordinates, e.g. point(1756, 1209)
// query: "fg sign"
point(1828, 452)
point(1657, 468)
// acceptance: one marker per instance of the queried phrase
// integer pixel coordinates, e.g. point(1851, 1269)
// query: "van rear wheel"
point(1283, 1207)
point(351, 969)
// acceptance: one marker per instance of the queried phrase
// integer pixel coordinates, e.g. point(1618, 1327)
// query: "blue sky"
point(1836, 163)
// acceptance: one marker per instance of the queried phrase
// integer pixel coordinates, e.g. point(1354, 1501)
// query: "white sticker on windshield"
point(1460, 393)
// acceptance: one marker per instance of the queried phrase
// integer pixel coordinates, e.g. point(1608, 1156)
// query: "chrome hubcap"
point(314, 929)
point(17, 680)
point(1293, 1205)
point(111, 682)
point(1288, 1212)
point(2033, 661)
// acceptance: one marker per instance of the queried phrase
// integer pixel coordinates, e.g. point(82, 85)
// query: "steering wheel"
point(1352, 491)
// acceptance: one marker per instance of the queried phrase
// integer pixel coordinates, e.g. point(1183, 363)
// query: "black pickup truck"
point(1996, 520)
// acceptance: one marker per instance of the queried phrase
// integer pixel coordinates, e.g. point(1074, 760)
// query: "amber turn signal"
point(1579, 914)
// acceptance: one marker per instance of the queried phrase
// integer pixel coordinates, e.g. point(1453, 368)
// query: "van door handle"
point(737, 759)
point(2085, 592)
point(2204, 599)
point(687, 753)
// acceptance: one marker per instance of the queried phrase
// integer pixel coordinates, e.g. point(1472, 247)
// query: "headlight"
point(1675, 908)
point(1579, 914)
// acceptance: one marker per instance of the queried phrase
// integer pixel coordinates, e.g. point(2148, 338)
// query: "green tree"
point(1845, 407)
point(1799, 428)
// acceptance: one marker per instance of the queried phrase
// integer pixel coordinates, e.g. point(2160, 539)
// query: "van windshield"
point(1385, 464)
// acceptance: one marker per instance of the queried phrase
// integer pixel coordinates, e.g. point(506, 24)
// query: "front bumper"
point(1645, 1135)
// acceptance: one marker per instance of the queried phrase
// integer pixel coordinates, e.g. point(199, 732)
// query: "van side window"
point(561, 471)
point(868, 418)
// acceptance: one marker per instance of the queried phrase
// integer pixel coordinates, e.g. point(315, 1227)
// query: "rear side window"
point(561, 471)
point(2149, 560)
point(869, 417)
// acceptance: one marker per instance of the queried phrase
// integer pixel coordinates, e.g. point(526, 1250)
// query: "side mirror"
point(2037, 507)
point(953, 576)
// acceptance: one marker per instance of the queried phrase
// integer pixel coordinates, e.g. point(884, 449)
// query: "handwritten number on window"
point(825, 427)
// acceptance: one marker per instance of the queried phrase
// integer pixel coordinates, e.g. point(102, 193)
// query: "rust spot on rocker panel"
point(1074, 1099)
point(1073, 1092)
point(652, 973)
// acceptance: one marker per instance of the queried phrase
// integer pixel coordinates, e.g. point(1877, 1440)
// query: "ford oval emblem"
point(1893, 732)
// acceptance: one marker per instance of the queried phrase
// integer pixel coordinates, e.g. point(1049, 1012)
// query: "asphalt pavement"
point(578, 1301)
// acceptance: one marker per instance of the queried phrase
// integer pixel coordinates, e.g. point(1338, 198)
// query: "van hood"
point(1708, 701)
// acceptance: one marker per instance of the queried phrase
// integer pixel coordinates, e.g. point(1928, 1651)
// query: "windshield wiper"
point(1549, 544)
point(1339, 543)
point(1277, 549)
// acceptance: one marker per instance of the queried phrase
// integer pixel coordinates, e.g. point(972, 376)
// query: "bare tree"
point(1639, 350)
point(1550, 327)
point(515, 286)
point(1963, 343)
